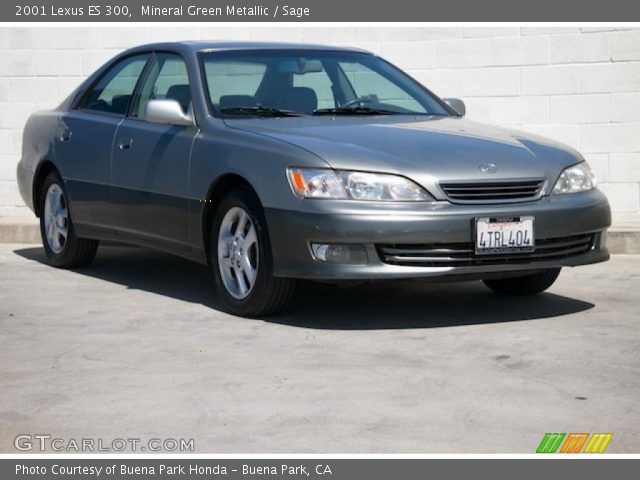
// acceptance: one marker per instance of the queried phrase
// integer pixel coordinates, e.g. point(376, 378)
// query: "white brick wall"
point(578, 85)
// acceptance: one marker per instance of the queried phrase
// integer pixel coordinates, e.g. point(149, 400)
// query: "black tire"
point(76, 252)
point(269, 295)
point(525, 285)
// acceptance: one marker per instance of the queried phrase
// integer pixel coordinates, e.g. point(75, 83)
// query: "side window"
point(167, 79)
point(114, 90)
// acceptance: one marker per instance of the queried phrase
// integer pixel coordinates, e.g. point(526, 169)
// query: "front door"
point(150, 161)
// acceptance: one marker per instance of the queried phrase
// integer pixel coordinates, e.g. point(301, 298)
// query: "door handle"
point(125, 144)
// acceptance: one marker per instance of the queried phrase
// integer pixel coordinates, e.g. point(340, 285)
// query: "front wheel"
point(61, 245)
point(242, 261)
point(525, 285)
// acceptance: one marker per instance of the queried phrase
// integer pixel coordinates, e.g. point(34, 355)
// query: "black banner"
point(317, 11)
point(318, 469)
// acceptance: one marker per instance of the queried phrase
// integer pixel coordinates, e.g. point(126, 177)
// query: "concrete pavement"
point(135, 346)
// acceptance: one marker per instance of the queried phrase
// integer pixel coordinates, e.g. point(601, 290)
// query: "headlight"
point(325, 183)
point(575, 179)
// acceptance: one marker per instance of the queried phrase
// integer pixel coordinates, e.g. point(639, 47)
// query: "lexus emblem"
point(488, 168)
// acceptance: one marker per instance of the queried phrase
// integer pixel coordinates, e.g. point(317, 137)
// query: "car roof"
point(194, 46)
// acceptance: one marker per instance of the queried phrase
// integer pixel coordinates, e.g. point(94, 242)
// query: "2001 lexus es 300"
point(276, 162)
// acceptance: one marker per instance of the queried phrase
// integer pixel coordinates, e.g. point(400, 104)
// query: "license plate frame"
point(525, 243)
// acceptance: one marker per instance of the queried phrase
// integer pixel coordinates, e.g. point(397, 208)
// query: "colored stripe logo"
point(574, 443)
point(598, 443)
point(550, 442)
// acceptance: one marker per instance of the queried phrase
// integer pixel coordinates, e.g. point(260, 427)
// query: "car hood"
point(426, 149)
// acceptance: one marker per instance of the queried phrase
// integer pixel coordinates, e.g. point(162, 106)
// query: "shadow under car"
point(370, 306)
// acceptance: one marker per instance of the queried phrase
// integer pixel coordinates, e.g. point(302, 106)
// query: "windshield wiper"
point(371, 111)
point(355, 111)
point(259, 111)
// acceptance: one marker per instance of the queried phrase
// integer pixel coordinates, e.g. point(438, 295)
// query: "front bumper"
point(438, 223)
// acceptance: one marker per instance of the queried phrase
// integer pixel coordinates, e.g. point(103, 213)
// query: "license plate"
point(504, 235)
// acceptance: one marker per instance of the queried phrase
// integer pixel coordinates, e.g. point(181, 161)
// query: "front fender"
point(260, 160)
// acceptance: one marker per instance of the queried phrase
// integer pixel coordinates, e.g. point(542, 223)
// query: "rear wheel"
point(525, 285)
point(61, 245)
point(241, 258)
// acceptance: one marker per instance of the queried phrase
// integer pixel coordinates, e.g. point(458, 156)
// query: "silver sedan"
point(278, 162)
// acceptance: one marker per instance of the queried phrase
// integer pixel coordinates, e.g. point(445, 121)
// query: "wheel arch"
point(44, 168)
point(217, 190)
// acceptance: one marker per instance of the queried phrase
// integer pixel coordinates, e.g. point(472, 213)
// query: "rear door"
point(150, 161)
point(84, 142)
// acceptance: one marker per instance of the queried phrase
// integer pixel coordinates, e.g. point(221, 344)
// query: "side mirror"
point(457, 105)
point(167, 112)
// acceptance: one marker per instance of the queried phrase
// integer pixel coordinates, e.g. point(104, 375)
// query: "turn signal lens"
point(316, 183)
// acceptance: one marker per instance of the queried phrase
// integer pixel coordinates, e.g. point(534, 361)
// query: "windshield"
point(299, 82)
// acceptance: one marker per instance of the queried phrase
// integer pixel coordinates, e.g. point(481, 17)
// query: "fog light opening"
point(340, 253)
point(602, 244)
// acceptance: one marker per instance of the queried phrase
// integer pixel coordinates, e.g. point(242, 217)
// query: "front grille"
point(463, 255)
point(493, 192)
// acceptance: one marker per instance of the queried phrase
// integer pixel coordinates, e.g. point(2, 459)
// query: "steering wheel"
point(360, 101)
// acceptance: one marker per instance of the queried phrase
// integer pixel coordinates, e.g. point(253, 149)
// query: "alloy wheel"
point(56, 218)
point(238, 253)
